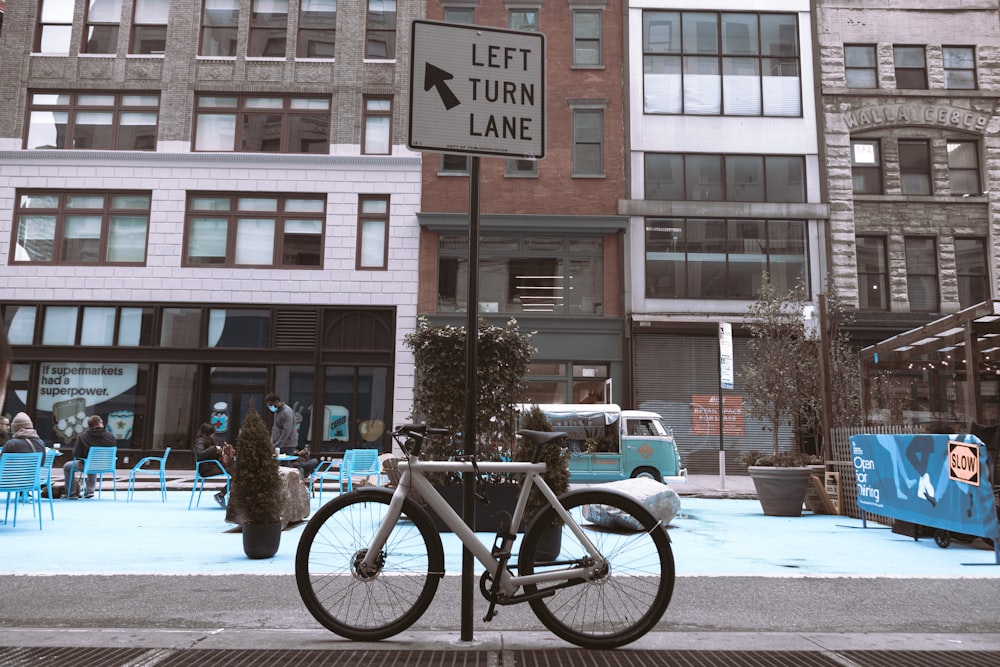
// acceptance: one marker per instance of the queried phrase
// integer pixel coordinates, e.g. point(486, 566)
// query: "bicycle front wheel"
point(360, 604)
point(628, 597)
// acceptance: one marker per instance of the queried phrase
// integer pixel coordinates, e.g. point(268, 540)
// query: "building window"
point(517, 168)
point(317, 29)
point(55, 26)
point(149, 27)
point(102, 326)
point(268, 29)
point(373, 232)
point(554, 382)
point(963, 168)
point(377, 129)
point(873, 274)
point(678, 177)
point(101, 26)
point(960, 67)
point(587, 38)
point(921, 274)
point(915, 166)
point(866, 169)
point(861, 66)
point(380, 36)
point(81, 228)
point(550, 275)
point(706, 63)
point(588, 142)
point(523, 19)
point(694, 258)
point(250, 124)
point(280, 231)
point(96, 121)
point(455, 165)
point(459, 15)
point(911, 67)
point(972, 272)
point(220, 22)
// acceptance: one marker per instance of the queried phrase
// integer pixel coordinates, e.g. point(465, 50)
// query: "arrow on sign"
point(435, 77)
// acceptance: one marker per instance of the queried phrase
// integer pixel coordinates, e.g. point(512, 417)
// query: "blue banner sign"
point(936, 480)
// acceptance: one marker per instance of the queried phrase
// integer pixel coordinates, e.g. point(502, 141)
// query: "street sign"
point(726, 375)
point(477, 90)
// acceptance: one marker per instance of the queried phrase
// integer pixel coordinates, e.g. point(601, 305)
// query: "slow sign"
point(477, 90)
point(963, 462)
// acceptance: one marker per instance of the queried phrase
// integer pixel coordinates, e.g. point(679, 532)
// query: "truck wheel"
point(650, 473)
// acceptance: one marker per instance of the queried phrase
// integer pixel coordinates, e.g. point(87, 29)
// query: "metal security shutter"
point(670, 369)
point(295, 329)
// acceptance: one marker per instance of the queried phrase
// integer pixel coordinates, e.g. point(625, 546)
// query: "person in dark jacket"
point(95, 436)
point(25, 439)
point(206, 449)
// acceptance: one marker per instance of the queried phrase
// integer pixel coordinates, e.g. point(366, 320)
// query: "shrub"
point(555, 458)
point(256, 485)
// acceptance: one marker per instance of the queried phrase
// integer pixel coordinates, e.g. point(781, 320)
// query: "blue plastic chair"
point(102, 461)
point(20, 473)
point(50, 459)
point(363, 463)
point(325, 471)
point(159, 469)
point(199, 479)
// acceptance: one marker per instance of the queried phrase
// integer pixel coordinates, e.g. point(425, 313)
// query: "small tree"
point(555, 458)
point(439, 395)
point(256, 485)
point(782, 374)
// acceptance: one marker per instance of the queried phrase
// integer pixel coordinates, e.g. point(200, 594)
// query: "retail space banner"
point(705, 414)
point(936, 480)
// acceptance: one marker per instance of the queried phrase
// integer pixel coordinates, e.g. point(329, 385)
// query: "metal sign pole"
point(471, 393)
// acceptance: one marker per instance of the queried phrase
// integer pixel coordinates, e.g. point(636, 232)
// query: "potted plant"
point(256, 487)
point(503, 355)
point(556, 475)
point(781, 480)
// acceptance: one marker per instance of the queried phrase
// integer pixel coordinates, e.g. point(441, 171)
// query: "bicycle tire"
point(367, 607)
point(630, 598)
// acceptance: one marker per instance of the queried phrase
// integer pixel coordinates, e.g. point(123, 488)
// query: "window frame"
point(73, 109)
point(369, 217)
point(465, 15)
point(971, 69)
point(578, 39)
point(369, 116)
point(446, 169)
point(234, 214)
point(869, 50)
point(137, 25)
point(231, 28)
point(62, 212)
point(974, 170)
point(881, 274)
point(42, 23)
point(910, 73)
point(523, 18)
point(580, 143)
point(719, 65)
point(264, 24)
point(520, 168)
point(910, 170)
point(305, 30)
point(966, 274)
point(863, 169)
point(90, 25)
point(381, 23)
point(725, 185)
point(917, 269)
point(242, 110)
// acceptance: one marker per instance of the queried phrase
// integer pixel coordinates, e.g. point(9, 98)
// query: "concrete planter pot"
point(781, 491)
point(261, 540)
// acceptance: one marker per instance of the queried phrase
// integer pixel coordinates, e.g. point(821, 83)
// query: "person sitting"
point(95, 436)
point(205, 449)
point(305, 464)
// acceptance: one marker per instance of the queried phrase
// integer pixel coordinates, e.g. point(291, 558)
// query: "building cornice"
point(268, 160)
point(726, 209)
point(453, 222)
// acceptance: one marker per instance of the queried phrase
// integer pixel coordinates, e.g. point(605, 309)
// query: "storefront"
point(157, 371)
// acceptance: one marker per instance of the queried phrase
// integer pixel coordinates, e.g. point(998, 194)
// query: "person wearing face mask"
point(283, 430)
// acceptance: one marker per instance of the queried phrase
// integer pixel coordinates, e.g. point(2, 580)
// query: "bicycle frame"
point(413, 477)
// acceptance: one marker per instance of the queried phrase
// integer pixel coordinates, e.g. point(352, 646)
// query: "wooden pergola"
point(963, 343)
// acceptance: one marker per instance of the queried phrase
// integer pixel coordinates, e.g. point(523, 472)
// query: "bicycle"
point(369, 562)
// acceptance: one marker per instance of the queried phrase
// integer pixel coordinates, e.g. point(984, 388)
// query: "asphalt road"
point(699, 605)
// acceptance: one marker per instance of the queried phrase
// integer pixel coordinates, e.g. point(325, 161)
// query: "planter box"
point(489, 518)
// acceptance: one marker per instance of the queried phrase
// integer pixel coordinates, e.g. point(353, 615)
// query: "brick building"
point(203, 201)
point(551, 236)
point(909, 99)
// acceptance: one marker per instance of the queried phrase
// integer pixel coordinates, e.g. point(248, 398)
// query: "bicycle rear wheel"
point(629, 597)
point(359, 605)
